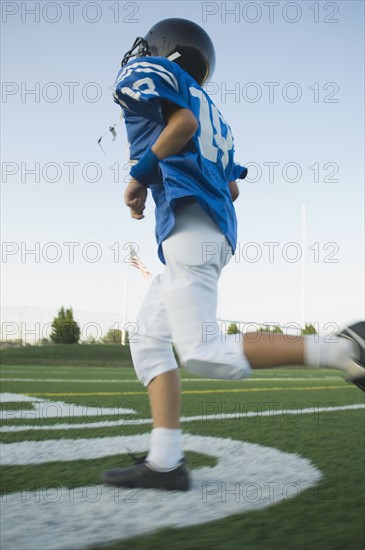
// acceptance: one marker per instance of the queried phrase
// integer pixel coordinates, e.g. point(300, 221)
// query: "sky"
point(289, 80)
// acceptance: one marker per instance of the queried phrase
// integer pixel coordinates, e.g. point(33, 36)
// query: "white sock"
point(321, 352)
point(165, 449)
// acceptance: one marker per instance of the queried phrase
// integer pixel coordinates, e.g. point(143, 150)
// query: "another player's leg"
point(344, 352)
point(266, 350)
point(356, 334)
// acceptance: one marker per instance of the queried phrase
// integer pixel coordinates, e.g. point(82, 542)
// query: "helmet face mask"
point(142, 51)
point(185, 42)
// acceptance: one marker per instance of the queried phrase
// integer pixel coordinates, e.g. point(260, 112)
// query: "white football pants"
point(180, 306)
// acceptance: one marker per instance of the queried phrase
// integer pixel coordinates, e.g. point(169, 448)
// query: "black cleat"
point(356, 333)
point(143, 477)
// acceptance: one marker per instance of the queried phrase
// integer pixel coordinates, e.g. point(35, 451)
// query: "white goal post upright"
point(304, 313)
point(124, 305)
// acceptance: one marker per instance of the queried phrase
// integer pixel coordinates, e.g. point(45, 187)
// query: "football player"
point(182, 152)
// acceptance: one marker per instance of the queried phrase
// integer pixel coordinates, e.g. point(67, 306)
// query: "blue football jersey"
point(204, 167)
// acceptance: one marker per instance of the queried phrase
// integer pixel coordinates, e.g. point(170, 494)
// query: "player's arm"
point(233, 187)
point(181, 125)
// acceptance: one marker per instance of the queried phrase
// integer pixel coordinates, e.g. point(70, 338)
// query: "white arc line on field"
point(58, 518)
point(198, 418)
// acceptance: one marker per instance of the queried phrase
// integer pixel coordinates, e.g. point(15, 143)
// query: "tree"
point(233, 329)
point(65, 330)
point(44, 342)
point(275, 329)
point(113, 336)
point(90, 340)
point(308, 329)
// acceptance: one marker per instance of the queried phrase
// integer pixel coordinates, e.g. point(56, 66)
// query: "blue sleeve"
point(234, 171)
point(143, 83)
point(238, 172)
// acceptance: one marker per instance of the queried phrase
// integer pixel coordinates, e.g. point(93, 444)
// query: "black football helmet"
point(180, 40)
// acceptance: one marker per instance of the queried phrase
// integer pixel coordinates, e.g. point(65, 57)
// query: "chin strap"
point(173, 56)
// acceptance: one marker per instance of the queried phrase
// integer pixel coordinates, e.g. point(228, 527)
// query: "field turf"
point(306, 412)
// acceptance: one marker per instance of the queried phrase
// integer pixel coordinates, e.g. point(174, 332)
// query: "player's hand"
point(135, 197)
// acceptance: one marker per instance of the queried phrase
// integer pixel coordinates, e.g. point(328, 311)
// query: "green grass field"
point(329, 515)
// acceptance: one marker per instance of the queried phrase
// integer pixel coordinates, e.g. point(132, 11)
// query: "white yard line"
point(222, 416)
point(44, 408)
point(129, 381)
